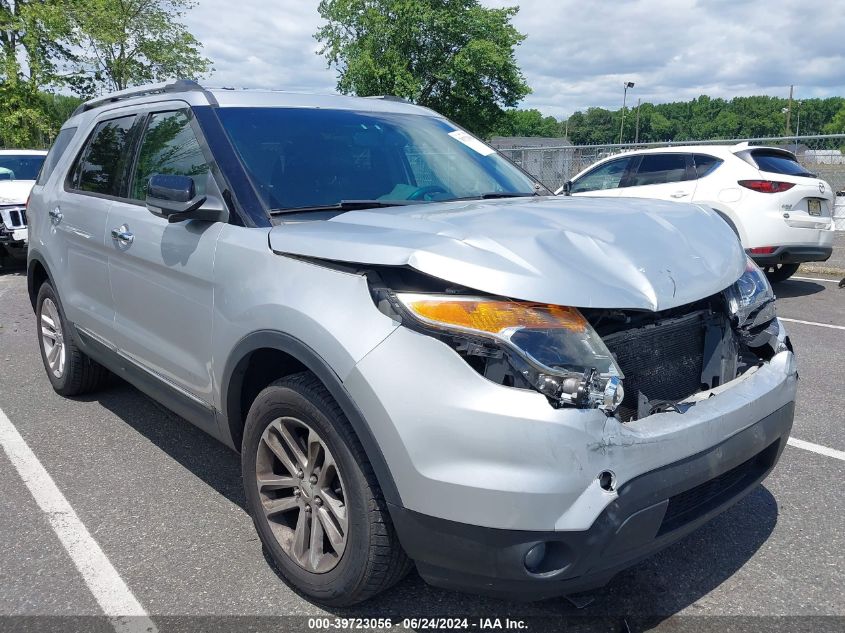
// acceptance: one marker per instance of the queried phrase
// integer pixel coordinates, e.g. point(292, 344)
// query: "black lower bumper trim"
point(651, 512)
point(794, 255)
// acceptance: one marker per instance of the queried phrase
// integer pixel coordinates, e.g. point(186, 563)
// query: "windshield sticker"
point(472, 142)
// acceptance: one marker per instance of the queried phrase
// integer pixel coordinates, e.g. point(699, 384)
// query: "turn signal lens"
point(495, 317)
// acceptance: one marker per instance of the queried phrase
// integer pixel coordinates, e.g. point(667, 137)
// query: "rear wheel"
point(71, 371)
point(314, 498)
point(780, 272)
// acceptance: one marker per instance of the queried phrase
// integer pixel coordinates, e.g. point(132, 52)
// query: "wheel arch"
point(37, 272)
point(290, 355)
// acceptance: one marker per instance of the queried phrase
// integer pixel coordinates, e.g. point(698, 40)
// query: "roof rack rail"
point(389, 98)
point(180, 85)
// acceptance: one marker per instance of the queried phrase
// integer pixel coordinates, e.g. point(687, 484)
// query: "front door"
point(161, 272)
point(669, 176)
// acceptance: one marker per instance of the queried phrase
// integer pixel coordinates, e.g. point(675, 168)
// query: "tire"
point(77, 374)
point(371, 559)
point(780, 272)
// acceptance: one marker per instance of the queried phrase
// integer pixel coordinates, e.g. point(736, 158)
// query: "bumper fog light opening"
point(607, 480)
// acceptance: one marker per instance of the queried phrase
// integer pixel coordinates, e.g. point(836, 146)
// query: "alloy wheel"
point(52, 338)
point(302, 494)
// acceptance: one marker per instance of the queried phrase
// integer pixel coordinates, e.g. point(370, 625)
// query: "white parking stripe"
point(830, 281)
point(816, 448)
point(834, 327)
point(114, 597)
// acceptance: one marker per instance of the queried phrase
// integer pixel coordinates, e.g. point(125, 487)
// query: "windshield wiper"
point(492, 195)
point(346, 205)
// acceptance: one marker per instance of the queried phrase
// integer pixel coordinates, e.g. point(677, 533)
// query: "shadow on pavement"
point(796, 288)
point(653, 590)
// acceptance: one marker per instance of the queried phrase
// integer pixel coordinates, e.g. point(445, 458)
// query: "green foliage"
point(32, 33)
point(527, 123)
point(131, 42)
point(454, 56)
point(701, 118)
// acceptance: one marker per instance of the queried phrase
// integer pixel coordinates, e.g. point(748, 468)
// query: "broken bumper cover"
point(651, 512)
point(485, 472)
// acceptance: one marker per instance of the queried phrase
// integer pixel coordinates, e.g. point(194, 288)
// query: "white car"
point(781, 212)
point(18, 171)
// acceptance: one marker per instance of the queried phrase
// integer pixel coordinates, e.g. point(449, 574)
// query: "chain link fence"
point(823, 155)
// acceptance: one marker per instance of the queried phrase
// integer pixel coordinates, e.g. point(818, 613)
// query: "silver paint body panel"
point(458, 446)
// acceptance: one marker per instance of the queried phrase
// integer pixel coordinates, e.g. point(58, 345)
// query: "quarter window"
point(607, 176)
point(660, 169)
point(169, 146)
point(101, 164)
point(56, 152)
point(705, 164)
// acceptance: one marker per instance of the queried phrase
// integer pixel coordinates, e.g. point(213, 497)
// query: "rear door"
point(160, 272)
point(665, 176)
point(604, 179)
point(78, 216)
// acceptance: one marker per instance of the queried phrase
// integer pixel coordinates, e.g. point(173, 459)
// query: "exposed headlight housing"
point(553, 348)
point(751, 300)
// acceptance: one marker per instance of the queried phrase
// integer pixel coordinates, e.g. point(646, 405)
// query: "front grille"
point(662, 361)
point(15, 217)
point(696, 502)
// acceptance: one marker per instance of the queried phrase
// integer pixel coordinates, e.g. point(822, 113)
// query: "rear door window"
point(54, 155)
point(775, 162)
point(705, 164)
point(101, 166)
point(607, 176)
point(660, 169)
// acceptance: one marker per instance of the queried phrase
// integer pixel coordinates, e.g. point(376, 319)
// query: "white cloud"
point(577, 53)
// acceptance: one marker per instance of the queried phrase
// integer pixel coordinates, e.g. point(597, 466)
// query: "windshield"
point(20, 166)
point(314, 157)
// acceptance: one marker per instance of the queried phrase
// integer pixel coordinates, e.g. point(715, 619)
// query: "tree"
point(453, 56)
point(130, 42)
point(527, 123)
point(836, 124)
point(33, 42)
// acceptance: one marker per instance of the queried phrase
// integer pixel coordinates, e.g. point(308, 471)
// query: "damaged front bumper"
point(496, 470)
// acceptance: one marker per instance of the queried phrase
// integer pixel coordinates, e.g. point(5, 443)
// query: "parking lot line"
point(834, 327)
point(830, 281)
point(114, 597)
point(816, 448)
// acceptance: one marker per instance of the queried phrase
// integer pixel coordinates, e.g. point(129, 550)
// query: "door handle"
point(122, 235)
point(55, 215)
point(679, 194)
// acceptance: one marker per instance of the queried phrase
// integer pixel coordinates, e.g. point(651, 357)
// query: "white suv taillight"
point(766, 186)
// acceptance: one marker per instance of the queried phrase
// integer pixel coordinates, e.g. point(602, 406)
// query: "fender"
point(233, 373)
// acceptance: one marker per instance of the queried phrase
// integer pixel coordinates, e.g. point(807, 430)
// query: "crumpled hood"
point(584, 252)
point(15, 191)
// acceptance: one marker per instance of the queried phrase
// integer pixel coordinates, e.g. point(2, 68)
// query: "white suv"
point(781, 212)
point(18, 171)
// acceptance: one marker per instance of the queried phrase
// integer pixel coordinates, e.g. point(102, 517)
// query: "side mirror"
point(567, 187)
point(175, 198)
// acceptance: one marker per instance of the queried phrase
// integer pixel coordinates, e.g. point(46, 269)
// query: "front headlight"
point(751, 299)
point(553, 348)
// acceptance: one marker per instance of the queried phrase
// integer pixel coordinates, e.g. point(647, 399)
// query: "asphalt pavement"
point(164, 503)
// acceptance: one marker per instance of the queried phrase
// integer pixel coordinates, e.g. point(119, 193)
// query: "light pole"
point(625, 85)
point(798, 124)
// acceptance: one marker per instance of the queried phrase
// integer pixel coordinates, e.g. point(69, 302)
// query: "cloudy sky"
point(577, 53)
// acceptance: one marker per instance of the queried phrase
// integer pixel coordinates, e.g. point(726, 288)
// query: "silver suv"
point(422, 356)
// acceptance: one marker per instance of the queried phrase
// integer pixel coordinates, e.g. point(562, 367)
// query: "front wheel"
point(313, 496)
point(780, 272)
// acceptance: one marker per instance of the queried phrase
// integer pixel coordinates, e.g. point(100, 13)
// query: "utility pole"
point(626, 85)
point(637, 134)
point(788, 112)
